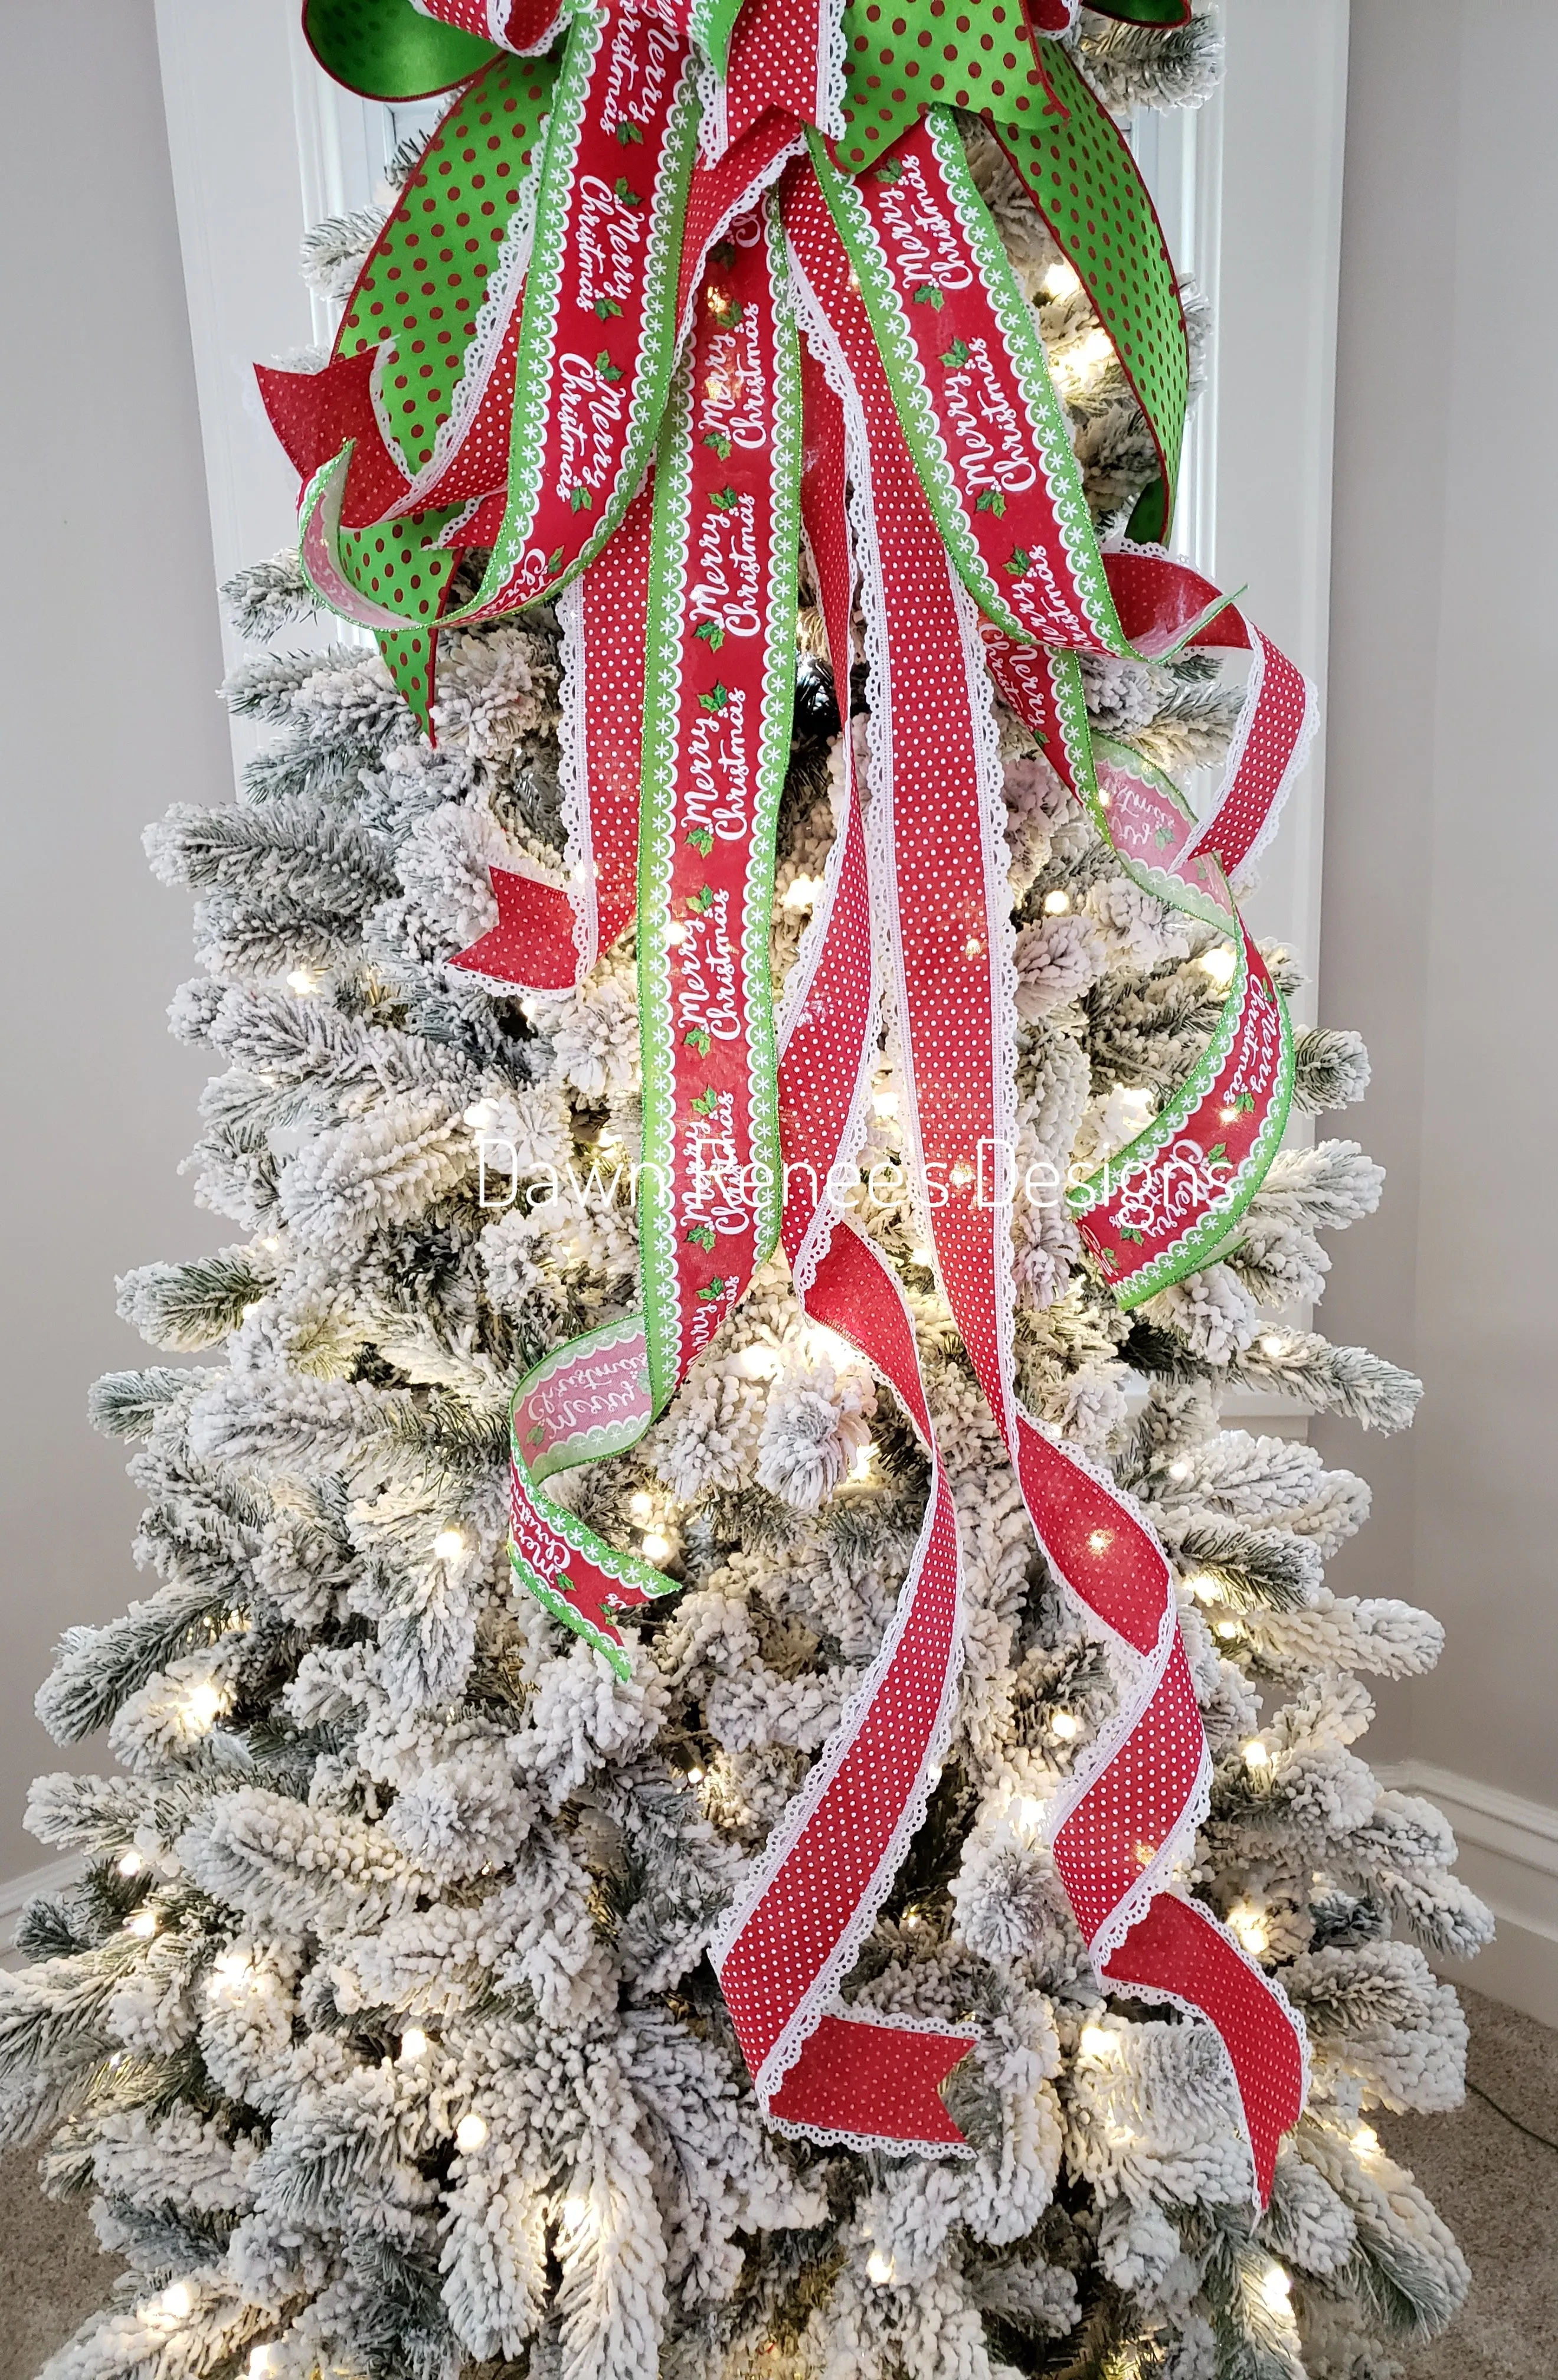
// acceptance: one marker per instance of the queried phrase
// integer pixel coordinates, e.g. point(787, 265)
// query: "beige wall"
point(109, 656)
point(1440, 860)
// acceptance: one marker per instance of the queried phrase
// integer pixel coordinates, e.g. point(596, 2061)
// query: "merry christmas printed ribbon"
point(712, 749)
point(958, 450)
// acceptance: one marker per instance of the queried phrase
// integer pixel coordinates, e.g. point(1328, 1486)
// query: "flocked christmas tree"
point(380, 2030)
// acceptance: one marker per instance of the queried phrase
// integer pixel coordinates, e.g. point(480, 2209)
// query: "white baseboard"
point(15, 1891)
point(1509, 1856)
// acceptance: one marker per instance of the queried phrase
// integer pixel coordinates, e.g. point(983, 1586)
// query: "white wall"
point(1440, 861)
point(109, 658)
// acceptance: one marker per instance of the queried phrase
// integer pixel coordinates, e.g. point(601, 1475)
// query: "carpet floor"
point(1494, 2184)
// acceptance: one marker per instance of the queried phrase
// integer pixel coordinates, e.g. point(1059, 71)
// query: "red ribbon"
point(921, 898)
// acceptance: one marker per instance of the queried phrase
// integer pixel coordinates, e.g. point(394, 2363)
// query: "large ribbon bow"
point(675, 284)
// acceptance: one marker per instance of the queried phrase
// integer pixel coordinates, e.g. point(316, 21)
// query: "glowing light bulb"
point(448, 1543)
point(272, 1243)
point(1220, 964)
point(757, 1362)
point(1227, 1629)
point(1089, 355)
point(879, 2267)
point(1057, 904)
point(1255, 1754)
point(576, 2210)
point(641, 1506)
point(676, 933)
point(1277, 2290)
point(1204, 1587)
point(1100, 1540)
point(178, 2301)
point(803, 892)
point(922, 1256)
point(233, 1968)
point(885, 1103)
point(131, 1863)
point(261, 2359)
point(1272, 1345)
point(824, 1347)
point(1065, 1725)
point(414, 2041)
point(530, 1010)
point(655, 1548)
point(1366, 2141)
point(301, 982)
point(143, 1924)
point(1098, 2043)
point(1180, 1470)
point(203, 1706)
point(1228, 1115)
point(694, 1776)
point(1060, 281)
point(1248, 1925)
point(470, 2134)
point(1028, 1812)
point(861, 1467)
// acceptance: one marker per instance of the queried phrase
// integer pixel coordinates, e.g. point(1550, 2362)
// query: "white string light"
point(1220, 963)
point(470, 2134)
point(1248, 1925)
point(448, 1544)
point(203, 1706)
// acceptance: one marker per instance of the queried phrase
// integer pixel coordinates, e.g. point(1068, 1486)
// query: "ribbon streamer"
point(574, 355)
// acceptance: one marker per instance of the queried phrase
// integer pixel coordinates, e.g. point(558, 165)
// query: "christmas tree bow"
point(675, 284)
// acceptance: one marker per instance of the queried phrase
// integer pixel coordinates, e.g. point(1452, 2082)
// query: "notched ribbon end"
point(882, 2082)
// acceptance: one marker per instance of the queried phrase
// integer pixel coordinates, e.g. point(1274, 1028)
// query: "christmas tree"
point(381, 2029)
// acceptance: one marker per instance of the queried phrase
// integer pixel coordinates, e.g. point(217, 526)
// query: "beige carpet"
point(1496, 2187)
point(1498, 2190)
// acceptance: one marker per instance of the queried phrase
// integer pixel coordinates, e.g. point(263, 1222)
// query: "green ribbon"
point(385, 49)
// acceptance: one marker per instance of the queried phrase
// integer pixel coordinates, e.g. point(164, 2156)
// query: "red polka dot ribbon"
point(670, 283)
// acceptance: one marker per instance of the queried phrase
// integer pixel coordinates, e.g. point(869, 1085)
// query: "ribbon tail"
point(870, 2084)
point(549, 936)
point(1177, 1953)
